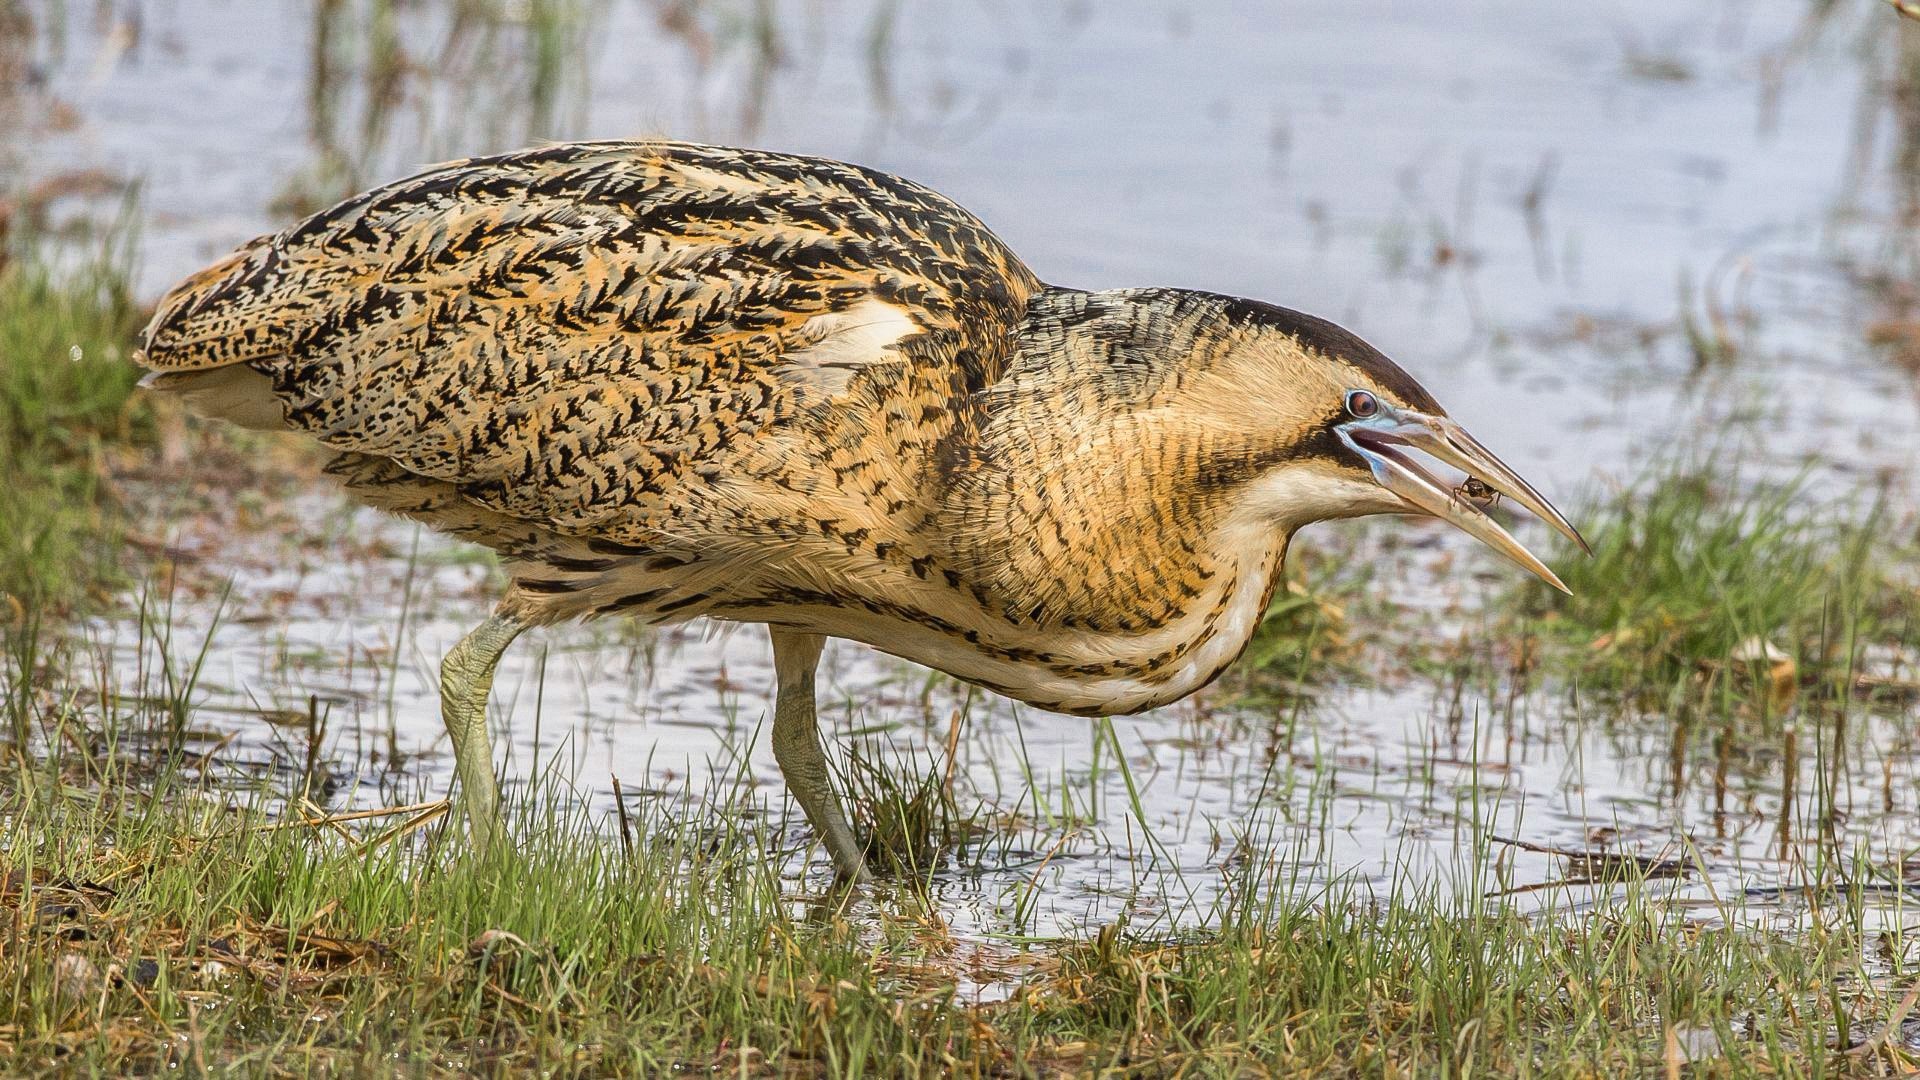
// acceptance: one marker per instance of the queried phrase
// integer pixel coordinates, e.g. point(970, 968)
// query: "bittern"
point(668, 381)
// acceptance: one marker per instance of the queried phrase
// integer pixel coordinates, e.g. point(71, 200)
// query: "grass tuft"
point(65, 384)
point(1694, 574)
point(906, 812)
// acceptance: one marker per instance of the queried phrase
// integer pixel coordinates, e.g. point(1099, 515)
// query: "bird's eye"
point(1361, 404)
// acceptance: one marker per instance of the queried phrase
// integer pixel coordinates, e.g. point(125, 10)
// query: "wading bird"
point(667, 381)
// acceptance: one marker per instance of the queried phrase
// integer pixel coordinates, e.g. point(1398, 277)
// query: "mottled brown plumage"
point(667, 381)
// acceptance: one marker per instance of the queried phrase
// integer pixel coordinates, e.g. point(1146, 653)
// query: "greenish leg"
point(466, 678)
point(796, 746)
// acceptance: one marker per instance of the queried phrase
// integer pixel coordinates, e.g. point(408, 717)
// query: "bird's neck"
point(1086, 547)
point(1097, 495)
point(1093, 522)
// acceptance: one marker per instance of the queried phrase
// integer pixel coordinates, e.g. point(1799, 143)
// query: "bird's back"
point(661, 348)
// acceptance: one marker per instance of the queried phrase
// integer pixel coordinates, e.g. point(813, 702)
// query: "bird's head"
point(1339, 431)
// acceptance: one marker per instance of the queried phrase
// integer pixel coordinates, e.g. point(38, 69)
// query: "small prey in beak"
point(1378, 433)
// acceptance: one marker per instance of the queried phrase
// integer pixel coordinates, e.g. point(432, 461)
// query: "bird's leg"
point(466, 678)
point(796, 746)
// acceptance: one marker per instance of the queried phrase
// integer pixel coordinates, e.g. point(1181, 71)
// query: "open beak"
point(1378, 440)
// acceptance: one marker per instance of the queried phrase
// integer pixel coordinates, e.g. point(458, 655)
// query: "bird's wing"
point(570, 332)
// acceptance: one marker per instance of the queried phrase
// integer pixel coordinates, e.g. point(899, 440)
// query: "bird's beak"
point(1378, 439)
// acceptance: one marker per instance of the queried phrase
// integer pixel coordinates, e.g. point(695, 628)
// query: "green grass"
point(158, 928)
point(1694, 573)
point(64, 389)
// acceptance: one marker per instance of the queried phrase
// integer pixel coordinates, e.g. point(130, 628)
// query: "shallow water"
point(1522, 205)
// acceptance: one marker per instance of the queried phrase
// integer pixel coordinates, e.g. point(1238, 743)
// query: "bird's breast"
point(1069, 669)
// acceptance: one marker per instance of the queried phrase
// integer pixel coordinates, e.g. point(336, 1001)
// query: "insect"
point(1475, 490)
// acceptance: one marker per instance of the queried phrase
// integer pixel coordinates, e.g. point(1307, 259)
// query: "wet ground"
point(1596, 235)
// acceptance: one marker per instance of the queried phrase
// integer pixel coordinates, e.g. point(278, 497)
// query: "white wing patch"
point(846, 341)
